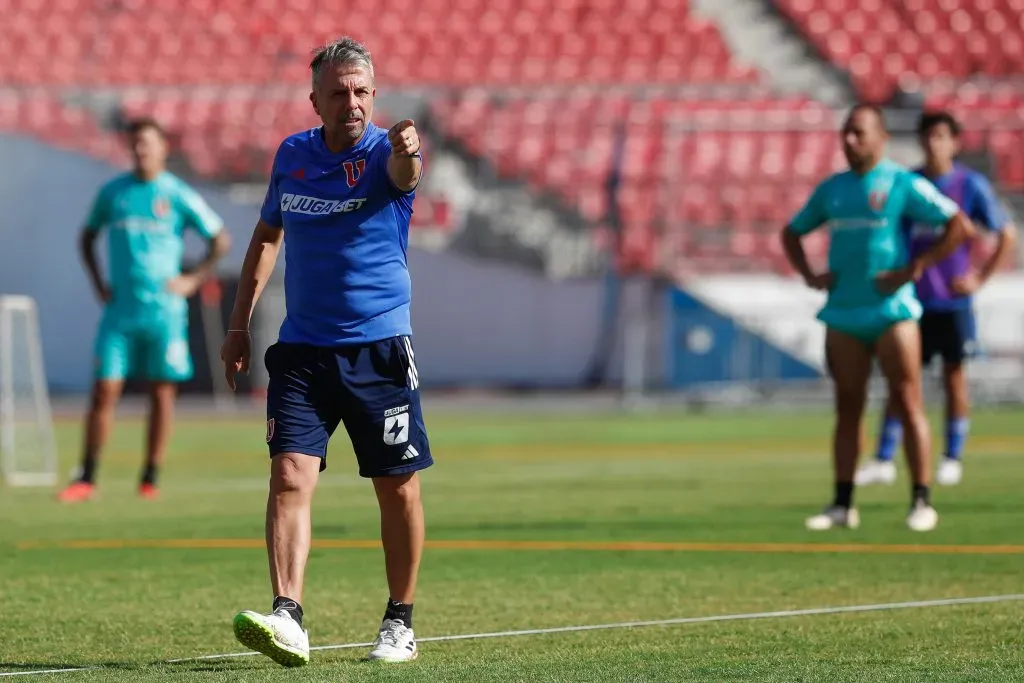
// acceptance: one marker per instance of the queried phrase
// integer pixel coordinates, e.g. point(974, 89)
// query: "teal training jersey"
point(863, 215)
point(145, 223)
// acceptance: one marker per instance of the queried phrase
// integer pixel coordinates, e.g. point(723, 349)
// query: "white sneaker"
point(950, 472)
point(876, 472)
point(276, 635)
point(395, 643)
point(922, 517)
point(834, 516)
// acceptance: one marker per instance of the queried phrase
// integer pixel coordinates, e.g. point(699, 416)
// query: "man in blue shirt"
point(340, 198)
point(144, 330)
point(871, 309)
point(945, 290)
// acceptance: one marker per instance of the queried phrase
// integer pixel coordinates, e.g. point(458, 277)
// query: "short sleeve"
point(812, 215)
point(270, 211)
point(986, 210)
point(99, 212)
point(198, 214)
point(926, 205)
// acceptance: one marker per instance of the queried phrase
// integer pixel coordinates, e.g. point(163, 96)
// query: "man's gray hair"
point(345, 50)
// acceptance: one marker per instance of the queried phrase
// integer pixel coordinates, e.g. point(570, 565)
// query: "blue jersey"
point(864, 214)
point(346, 232)
point(973, 193)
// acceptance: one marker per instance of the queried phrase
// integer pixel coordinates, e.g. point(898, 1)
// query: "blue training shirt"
point(975, 196)
point(346, 232)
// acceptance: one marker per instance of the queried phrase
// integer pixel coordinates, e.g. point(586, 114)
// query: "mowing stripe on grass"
point(607, 546)
point(604, 627)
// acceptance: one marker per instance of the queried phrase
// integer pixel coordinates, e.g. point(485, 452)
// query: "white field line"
point(918, 604)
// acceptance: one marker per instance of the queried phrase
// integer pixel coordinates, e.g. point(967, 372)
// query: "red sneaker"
point(148, 491)
point(77, 492)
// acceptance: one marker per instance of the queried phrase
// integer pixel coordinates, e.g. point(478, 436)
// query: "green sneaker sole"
point(256, 636)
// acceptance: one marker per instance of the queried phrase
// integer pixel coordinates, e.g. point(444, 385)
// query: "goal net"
point(28, 453)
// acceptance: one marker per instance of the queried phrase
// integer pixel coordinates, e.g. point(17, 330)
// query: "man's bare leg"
point(162, 396)
point(849, 361)
point(402, 530)
point(899, 351)
point(280, 634)
point(293, 479)
point(99, 421)
point(957, 422)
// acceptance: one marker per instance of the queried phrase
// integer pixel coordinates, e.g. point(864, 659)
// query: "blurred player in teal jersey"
point(144, 328)
point(871, 308)
point(947, 325)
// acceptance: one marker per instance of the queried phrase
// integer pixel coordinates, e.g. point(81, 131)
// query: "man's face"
point(149, 150)
point(940, 145)
point(863, 138)
point(343, 98)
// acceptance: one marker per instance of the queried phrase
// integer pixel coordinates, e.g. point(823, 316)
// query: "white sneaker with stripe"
point(395, 643)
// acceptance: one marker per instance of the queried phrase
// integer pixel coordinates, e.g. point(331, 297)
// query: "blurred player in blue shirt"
point(340, 199)
point(871, 308)
point(945, 290)
point(144, 329)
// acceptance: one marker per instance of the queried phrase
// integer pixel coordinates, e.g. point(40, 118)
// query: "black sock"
point(921, 493)
point(844, 494)
point(290, 606)
point(88, 470)
point(399, 611)
point(149, 474)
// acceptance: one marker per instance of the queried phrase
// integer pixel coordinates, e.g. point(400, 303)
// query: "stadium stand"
point(886, 44)
point(714, 161)
point(457, 42)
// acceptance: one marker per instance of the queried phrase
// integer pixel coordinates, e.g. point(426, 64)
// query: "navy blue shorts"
point(372, 388)
point(951, 335)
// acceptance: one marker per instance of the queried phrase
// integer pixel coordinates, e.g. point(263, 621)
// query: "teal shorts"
point(154, 349)
point(870, 322)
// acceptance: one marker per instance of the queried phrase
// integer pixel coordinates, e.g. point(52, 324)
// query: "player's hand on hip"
point(184, 285)
point(966, 284)
point(235, 352)
point(821, 281)
point(405, 141)
point(890, 280)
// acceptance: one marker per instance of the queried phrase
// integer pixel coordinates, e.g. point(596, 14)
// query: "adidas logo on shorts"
point(410, 453)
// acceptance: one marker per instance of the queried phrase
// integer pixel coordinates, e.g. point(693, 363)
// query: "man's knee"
point(850, 402)
point(905, 397)
point(293, 472)
point(163, 391)
point(402, 489)
point(105, 394)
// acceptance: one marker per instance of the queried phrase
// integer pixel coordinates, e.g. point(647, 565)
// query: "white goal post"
point(28, 450)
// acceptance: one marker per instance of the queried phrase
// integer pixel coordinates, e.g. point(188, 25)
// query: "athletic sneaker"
point(276, 635)
point(395, 643)
point(922, 517)
point(950, 472)
point(77, 492)
point(148, 491)
point(834, 516)
point(876, 472)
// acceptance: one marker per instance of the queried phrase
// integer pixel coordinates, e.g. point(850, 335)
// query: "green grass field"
point(536, 522)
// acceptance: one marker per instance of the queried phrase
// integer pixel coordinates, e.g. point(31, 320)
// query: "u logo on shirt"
point(354, 169)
